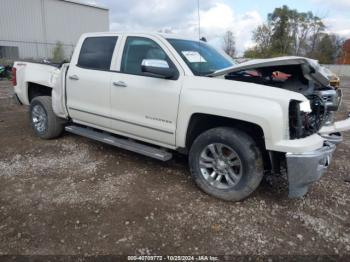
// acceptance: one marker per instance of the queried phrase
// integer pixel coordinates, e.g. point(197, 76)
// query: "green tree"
point(287, 32)
point(252, 53)
point(263, 39)
point(327, 49)
point(58, 53)
point(281, 21)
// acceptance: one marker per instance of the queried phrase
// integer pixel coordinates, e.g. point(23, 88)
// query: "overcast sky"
point(216, 16)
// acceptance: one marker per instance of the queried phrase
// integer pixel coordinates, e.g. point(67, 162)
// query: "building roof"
point(79, 2)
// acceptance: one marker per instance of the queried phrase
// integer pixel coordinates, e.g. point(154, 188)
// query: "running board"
point(123, 143)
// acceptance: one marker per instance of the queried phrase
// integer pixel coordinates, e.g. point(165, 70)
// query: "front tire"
point(226, 163)
point(45, 123)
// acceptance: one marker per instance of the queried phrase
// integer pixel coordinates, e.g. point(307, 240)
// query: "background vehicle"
point(153, 93)
point(5, 72)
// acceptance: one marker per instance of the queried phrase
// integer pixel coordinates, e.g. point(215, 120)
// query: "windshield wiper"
point(213, 72)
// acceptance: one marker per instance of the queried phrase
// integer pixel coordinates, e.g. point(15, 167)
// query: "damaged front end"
point(323, 106)
point(306, 168)
point(306, 118)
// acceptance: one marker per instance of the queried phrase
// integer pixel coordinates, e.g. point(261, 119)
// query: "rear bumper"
point(306, 168)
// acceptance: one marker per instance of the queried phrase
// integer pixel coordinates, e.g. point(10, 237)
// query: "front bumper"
point(334, 138)
point(306, 168)
point(340, 126)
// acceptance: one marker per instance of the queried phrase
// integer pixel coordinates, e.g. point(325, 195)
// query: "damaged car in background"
point(155, 93)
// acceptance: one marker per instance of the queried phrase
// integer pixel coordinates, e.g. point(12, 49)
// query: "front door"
point(144, 107)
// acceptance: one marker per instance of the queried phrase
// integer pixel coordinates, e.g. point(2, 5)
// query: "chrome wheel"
point(220, 166)
point(39, 118)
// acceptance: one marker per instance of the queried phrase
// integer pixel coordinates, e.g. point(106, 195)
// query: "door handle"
point(120, 84)
point(74, 77)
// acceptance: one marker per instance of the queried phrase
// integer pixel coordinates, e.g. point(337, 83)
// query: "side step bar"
point(121, 142)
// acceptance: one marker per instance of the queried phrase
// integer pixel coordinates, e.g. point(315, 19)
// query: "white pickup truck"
point(154, 93)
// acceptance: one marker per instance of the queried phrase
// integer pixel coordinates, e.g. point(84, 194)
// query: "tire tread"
point(55, 124)
point(249, 151)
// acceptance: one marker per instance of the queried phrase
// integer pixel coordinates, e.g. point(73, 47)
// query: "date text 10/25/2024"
point(173, 258)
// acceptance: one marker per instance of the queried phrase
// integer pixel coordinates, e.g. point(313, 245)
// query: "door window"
point(97, 52)
point(138, 48)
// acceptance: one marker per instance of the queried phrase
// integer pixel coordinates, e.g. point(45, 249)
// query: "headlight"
point(306, 118)
point(305, 107)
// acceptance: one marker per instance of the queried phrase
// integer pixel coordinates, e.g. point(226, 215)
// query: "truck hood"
point(311, 68)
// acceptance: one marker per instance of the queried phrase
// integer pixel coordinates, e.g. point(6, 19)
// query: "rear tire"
point(226, 163)
point(45, 123)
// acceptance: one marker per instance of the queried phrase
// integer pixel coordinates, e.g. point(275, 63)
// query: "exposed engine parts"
point(324, 100)
point(323, 105)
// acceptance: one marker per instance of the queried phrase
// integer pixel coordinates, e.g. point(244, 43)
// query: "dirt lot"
point(76, 196)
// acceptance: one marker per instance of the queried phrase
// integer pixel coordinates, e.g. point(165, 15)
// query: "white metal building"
point(30, 29)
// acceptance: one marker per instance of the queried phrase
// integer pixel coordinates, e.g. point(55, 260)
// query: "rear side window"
point(97, 52)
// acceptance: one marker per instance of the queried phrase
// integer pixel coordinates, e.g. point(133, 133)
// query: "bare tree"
point(263, 37)
point(229, 43)
point(316, 29)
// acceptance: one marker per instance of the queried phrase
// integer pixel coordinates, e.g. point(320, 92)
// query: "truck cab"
point(117, 94)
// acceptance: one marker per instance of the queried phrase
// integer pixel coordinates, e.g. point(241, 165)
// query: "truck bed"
point(43, 74)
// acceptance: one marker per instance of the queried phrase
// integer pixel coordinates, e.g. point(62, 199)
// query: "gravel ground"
point(77, 196)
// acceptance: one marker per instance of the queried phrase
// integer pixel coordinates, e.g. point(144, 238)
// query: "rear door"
point(88, 81)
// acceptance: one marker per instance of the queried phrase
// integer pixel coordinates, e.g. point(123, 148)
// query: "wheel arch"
point(35, 90)
point(201, 122)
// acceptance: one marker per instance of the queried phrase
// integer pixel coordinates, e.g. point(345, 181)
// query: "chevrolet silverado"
point(154, 93)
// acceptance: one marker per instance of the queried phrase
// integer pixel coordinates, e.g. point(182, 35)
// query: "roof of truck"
point(164, 35)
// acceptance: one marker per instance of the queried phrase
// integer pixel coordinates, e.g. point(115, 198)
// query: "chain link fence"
point(38, 51)
point(32, 50)
point(340, 70)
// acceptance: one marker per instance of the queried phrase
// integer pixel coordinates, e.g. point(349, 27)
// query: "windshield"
point(201, 58)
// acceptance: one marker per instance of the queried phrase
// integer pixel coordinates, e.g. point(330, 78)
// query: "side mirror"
point(158, 68)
